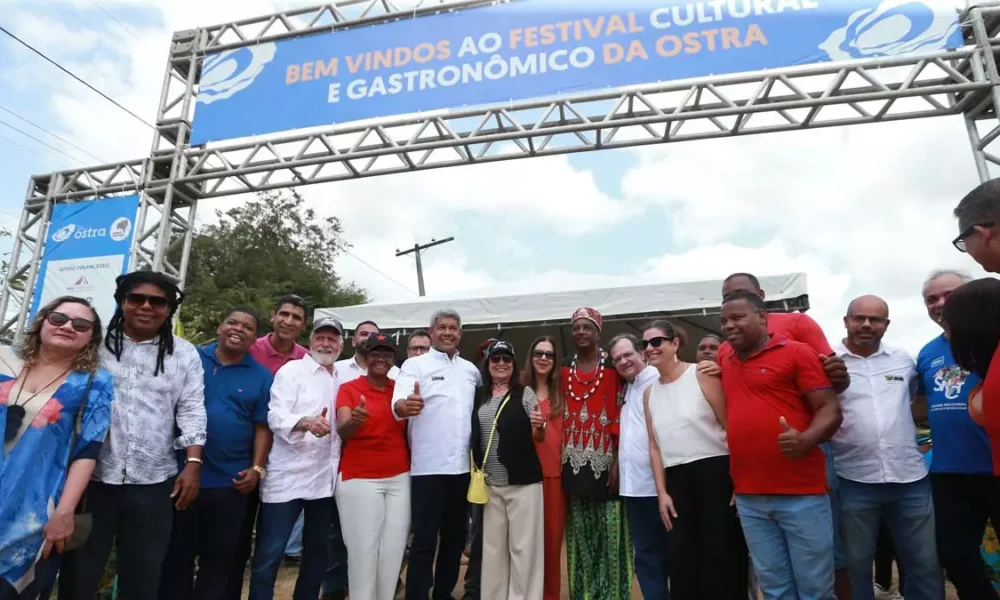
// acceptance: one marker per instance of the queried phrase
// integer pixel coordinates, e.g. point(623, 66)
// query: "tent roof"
point(698, 298)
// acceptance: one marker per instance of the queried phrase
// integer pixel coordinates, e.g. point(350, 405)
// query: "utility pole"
point(416, 250)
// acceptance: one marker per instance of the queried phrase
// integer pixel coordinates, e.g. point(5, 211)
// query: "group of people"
point(767, 465)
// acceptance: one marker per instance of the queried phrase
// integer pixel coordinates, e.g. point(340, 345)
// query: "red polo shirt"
point(991, 408)
point(378, 449)
point(759, 391)
point(263, 352)
point(798, 327)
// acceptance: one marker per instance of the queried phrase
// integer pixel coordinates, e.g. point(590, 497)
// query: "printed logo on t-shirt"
point(895, 379)
point(950, 380)
point(937, 362)
point(437, 378)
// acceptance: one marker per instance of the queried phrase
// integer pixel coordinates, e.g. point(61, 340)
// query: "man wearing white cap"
point(302, 467)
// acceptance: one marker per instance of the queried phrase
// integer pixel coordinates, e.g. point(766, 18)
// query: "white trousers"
point(513, 544)
point(375, 521)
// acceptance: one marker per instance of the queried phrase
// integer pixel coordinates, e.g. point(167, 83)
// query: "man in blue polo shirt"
point(964, 489)
point(237, 391)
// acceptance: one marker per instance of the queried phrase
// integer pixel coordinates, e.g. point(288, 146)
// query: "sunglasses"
point(155, 302)
point(58, 319)
point(496, 359)
point(655, 342)
point(544, 354)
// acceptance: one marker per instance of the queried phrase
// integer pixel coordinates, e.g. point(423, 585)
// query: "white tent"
point(695, 306)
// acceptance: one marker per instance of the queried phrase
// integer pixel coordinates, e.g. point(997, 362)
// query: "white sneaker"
point(881, 593)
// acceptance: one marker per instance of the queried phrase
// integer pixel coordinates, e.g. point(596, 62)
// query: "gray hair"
point(625, 336)
point(445, 313)
point(939, 273)
point(980, 205)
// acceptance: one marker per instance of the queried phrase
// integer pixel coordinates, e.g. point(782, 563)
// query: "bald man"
point(881, 472)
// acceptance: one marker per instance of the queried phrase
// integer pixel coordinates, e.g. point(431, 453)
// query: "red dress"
point(554, 500)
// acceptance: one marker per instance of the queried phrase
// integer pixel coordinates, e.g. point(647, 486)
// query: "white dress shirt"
point(877, 442)
point(439, 435)
point(148, 411)
point(634, 470)
point(301, 466)
point(348, 370)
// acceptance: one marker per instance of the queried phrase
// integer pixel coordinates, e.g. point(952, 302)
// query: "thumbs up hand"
point(412, 405)
point(537, 420)
point(791, 442)
point(360, 414)
point(319, 425)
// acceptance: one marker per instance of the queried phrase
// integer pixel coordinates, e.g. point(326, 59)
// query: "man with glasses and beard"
point(302, 467)
point(159, 406)
point(237, 391)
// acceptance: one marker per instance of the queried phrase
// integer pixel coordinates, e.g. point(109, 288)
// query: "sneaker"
point(881, 593)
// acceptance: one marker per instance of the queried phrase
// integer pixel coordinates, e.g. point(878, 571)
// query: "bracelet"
point(193, 459)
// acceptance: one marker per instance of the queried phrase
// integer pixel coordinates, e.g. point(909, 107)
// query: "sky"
point(859, 210)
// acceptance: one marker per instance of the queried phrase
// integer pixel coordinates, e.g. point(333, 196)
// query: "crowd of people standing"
point(768, 465)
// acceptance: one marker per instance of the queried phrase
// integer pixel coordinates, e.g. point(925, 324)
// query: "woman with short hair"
point(56, 406)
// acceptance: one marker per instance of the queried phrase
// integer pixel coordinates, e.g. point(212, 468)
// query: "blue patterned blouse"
point(33, 473)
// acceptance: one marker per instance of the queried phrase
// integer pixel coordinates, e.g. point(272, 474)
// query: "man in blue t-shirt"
point(237, 392)
point(965, 491)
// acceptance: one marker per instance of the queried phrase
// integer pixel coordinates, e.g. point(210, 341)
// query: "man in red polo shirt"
point(780, 408)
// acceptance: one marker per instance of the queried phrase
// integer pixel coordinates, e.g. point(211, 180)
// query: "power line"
point(402, 285)
point(110, 16)
point(20, 145)
point(74, 76)
point(42, 142)
point(58, 137)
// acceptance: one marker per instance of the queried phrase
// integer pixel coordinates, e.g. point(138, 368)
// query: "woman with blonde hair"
point(541, 374)
point(56, 406)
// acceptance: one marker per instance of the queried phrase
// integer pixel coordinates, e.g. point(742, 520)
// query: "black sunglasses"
point(655, 342)
point(58, 319)
point(543, 354)
point(501, 358)
point(137, 300)
point(959, 242)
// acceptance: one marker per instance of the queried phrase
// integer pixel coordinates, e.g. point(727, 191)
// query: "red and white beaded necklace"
point(598, 376)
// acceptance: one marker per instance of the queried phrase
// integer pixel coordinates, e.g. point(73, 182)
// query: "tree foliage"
point(258, 252)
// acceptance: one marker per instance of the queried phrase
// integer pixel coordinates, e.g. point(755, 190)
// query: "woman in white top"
point(686, 420)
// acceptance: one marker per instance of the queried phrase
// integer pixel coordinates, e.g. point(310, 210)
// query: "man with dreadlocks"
point(159, 407)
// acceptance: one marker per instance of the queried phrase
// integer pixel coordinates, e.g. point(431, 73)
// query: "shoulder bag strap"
point(496, 418)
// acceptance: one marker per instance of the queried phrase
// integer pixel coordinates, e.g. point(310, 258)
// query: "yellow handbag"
point(477, 476)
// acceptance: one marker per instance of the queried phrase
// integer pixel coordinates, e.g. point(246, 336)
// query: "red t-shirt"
point(991, 408)
point(550, 450)
point(378, 449)
point(759, 391)
point(798, 327)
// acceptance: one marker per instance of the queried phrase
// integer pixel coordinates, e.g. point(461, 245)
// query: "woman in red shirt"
point(373, 494)
point(542, 376)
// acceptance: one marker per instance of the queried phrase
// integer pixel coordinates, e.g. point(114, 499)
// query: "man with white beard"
point(302, 467)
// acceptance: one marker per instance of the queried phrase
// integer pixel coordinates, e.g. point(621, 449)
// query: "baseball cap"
point(500, 347)
point(325, 322)
point(378, 340)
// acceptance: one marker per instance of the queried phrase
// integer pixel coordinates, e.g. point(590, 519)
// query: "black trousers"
point(885, 555)
point(136, 519)
point(208, 530)
point(708, 555)
point(439, 511)
point(244, 548)
point(962, 505)
point(474, 571)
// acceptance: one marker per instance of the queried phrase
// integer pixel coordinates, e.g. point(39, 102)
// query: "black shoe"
point(341, 595)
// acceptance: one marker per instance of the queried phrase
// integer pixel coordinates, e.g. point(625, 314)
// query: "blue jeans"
point(294, 547)
point(833, 482)
point(791, 543)
point(276, 523)
point(649, 538)
point(908, 510)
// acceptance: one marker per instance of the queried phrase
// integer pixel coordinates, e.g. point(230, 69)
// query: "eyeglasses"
point(155, 302)
point(381, 355)
point(959, 242)
point(496, 359)
point(655, 342)
point(860, 320)
point(543, 354)
point(58, 319)
point(419, 349)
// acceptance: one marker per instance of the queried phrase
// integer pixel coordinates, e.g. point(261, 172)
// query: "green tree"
point(257, 252)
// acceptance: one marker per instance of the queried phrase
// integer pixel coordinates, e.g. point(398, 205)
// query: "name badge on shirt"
point(895, 379)
point(437, 378)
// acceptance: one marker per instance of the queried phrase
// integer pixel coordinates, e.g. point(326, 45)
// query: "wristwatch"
point(260, 470)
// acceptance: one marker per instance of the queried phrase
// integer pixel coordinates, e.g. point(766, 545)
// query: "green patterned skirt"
point(598, 550)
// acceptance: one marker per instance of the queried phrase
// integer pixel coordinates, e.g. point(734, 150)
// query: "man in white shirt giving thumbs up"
point(302, 467)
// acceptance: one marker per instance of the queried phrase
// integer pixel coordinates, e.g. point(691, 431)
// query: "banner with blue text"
point(86, 247)
point(529, 49)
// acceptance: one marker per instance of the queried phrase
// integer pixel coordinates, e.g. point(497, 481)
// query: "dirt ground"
point(286, 583)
